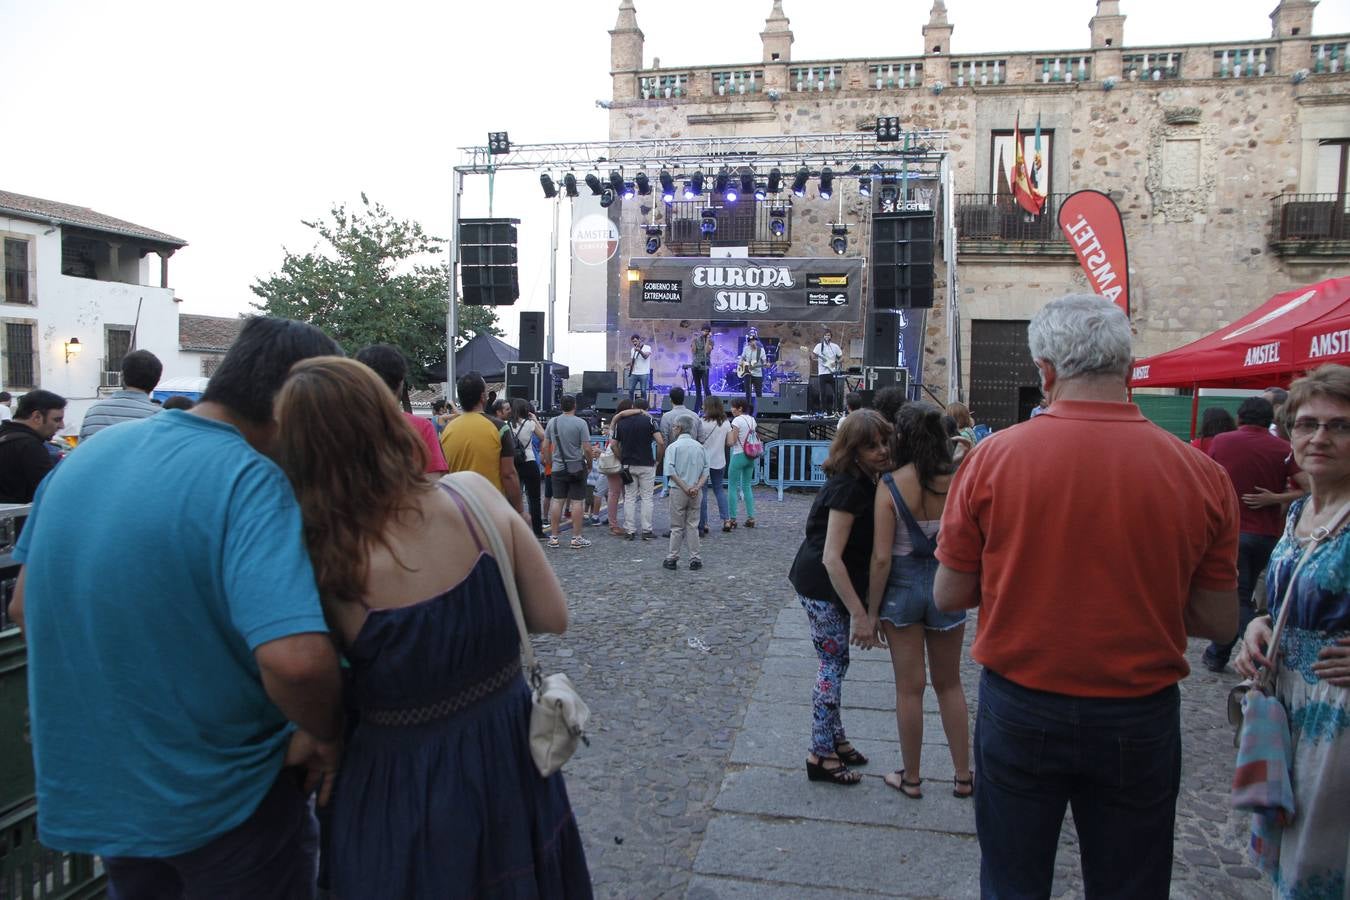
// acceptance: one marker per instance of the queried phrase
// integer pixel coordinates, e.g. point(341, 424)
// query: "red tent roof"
point(1289, 333)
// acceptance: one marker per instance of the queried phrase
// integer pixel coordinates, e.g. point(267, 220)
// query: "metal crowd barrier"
point(788, 464)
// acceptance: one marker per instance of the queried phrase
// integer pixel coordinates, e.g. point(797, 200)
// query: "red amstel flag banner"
point(1091, 221)
point(1024, 191)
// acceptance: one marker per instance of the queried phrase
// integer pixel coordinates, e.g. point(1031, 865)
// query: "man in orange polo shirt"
point(1093, 543)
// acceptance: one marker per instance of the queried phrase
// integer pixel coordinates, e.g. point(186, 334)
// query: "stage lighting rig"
point(550, 189)
point(498, 142)
point(826, 190)
point(653, 238)
point(709, 223)
point(748, 183)
point(720, 184)
point(761, 191)
point(616, 182)
point(570, 184)
point(667, 186)
point(593, 182)
point(775, 181)
point(643, 183)
point(888, 129)
point(696, 182)
point(799, 182)
point(839, 239)
point(607, 198)
point(629, 190)
point(778, 221)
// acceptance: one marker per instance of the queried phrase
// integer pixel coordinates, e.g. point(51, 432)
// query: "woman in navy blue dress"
point(437, 795)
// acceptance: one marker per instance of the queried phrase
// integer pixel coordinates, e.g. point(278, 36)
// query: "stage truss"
point(920, 154)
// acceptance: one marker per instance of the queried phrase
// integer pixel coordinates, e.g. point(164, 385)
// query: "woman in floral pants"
point(830, 576)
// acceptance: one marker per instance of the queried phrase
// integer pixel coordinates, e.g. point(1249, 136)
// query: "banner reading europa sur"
point(1091, 222)
point(752, 289)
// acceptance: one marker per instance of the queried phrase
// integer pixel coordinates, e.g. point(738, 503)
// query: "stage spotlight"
point(839, 243)
point(629, 190)
point(667, 186)
point(865, 186)
point(748, 183)
point(616, 182)
point(689, 193)
point(593, 183)
point(826, 183)
point(607, 197)
point(775, 181)
point(778, 221)
point(731, 194)
point(570, 184)
point(498, 142)
point(799, 183)
point(709, 224)
point(761, 191)
point(888, 129)
point(653, 238)
point(696, 182)
point(720, 185)
point(644, 184)
point(550, 189)
point(888, 199)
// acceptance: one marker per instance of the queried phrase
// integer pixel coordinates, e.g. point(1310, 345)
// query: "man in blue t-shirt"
point(176, 641)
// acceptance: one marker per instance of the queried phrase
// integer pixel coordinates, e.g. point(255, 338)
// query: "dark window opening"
point(16, 271)
point(20, 358)
point(79, 257)
point(1108, 41)
point(118, 341)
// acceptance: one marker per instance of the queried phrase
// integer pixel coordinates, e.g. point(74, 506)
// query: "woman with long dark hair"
point(714, 432)
point(830, 576)
point(1214, 421)
point(525, 426)
point(909, 503)
point(438, 795)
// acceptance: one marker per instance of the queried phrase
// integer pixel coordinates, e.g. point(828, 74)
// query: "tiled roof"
point(40, 210)
point(211, 334)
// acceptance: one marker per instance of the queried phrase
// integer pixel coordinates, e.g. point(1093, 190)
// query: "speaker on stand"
point(531, 336)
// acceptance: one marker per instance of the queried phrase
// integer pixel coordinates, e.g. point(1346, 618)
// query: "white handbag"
point(609, 464)
point(558, 716)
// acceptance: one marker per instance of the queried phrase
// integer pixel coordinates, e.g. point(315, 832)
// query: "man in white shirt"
point(752, 362)
point(639, 367)
point(5, 400)
point(830, 358)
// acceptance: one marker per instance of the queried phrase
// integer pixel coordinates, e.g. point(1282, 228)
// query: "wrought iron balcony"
point(994, 224)
point(747, 223)
point(1311, 225)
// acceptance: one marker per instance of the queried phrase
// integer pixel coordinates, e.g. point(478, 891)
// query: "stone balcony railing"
point(1322, 55)
point(1311, 225)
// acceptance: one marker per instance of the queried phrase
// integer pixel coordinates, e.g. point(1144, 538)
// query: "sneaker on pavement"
point(649, 535)
point(695, 564)
point(553, 541)
point(579, 543)
point(632, 536)
point(669, 564)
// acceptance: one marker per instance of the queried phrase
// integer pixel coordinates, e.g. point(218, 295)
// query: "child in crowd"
point(597, 494)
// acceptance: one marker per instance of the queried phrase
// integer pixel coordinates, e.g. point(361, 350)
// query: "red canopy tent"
point(1289, 334)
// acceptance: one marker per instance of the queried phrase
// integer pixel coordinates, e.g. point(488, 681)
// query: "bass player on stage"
point(700, 359)
point(830, 358)
point(750, 367)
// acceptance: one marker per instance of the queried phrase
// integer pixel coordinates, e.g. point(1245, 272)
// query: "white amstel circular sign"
point(595, 239)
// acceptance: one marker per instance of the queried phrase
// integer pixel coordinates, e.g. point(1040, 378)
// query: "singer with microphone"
point(639, 368)
point(829, 358)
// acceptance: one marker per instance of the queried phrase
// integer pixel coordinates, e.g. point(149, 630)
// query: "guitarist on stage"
point(830, 358)
point(700, 359)
point(750, 367)
point(639, 368)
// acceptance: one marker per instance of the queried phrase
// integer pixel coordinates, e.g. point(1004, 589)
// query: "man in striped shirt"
point(140, 373)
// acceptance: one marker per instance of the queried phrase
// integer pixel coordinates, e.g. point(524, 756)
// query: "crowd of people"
point(333, 620)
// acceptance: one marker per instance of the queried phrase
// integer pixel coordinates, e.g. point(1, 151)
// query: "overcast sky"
point(227, 124)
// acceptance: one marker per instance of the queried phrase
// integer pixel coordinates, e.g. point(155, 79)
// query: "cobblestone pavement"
point(696, 681)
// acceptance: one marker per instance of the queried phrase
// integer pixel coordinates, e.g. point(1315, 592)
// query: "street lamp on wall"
point(73, 348)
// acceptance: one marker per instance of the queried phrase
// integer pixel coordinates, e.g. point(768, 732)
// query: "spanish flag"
point(1024, 189)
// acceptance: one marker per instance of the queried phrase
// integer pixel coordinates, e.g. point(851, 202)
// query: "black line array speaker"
point(902, 260)
point(531, 335)
point(883, 339)
point(487, 262)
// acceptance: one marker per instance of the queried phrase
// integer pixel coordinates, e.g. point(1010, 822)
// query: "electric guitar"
point(743, 365)
point(820, 359)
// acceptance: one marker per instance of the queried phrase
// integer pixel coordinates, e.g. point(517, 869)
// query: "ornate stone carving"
point(1184, 115)
point(1182, 170)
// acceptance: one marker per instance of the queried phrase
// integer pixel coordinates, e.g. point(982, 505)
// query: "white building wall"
point(69, 307)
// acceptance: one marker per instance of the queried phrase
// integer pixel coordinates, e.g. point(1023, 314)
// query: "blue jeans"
point(637, 384)
point(1115, 761)
point(273, 854)
point(1253, 555)
point(717, 485)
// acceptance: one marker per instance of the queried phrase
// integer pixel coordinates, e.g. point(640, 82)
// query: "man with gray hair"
point(1111, 542)
point(687, 470)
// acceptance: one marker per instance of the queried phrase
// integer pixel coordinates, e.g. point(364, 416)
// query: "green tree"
point(372, 278)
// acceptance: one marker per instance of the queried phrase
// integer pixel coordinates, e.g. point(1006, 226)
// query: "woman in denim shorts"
point(908, 511)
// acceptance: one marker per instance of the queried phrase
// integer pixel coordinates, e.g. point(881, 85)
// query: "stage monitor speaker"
point(599, 382)
point(902, 260)
point(777, 406)
point(487, 262)
point(883, 339)
point(795, 393)
point(531, 335)
point(608, 401)
point(794, 431)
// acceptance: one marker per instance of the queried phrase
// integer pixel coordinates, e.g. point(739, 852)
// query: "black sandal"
point(851, 756)
point(910, 789)
point(840, 774)
point(960, 783)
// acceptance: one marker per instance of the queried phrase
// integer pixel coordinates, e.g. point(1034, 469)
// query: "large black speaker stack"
point(882, 344)
point(902, 260)
point(487, 262)
point(538, 382)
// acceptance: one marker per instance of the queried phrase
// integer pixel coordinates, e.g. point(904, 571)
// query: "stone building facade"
point(1228, 162)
